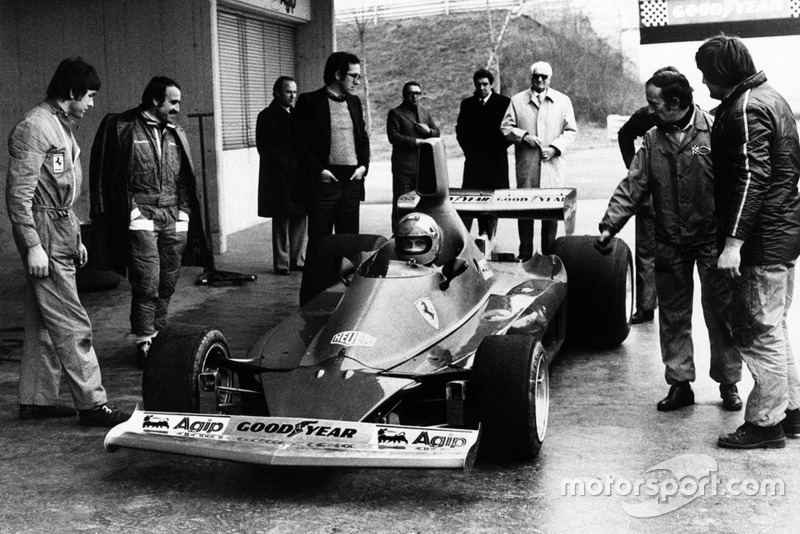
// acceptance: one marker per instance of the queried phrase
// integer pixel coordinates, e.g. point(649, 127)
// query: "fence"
point(419, 8)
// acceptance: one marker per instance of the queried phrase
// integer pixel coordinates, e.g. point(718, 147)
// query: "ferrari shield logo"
point(425, 307)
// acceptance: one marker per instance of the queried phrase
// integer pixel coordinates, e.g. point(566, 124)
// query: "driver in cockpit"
point(417, 239)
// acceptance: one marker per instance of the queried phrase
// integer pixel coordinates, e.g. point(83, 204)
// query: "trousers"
point(761, 298)
point(674, 274)
point(153, 269)
point(58, 337)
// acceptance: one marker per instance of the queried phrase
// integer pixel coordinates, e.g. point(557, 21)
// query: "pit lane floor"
point(605, 435)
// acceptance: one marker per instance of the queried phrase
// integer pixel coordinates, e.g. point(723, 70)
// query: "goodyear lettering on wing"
point(304, 428)
point(352, 338)
point(470, 199)
point(439, 440)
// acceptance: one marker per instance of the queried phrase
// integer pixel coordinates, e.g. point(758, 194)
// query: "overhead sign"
point(694, 20)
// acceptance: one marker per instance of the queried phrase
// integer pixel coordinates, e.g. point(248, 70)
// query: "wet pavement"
point(609, 462)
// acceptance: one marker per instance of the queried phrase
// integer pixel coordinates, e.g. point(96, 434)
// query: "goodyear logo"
point(352, 338)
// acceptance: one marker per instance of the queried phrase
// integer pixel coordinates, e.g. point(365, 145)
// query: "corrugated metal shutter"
point(253, 53)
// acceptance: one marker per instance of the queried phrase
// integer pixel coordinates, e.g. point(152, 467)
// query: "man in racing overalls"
point(44, 178)
point(674, 166)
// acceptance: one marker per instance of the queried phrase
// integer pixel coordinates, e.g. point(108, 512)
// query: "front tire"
point(511, 394)
point(176, 359)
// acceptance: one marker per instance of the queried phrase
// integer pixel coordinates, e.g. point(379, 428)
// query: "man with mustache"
point(143, 188)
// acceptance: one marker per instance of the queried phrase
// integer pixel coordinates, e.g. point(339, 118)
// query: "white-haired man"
point(540, 122)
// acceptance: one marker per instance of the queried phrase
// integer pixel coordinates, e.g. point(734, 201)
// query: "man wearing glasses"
point(407, 125)
point(333, 146)
point(541, 124)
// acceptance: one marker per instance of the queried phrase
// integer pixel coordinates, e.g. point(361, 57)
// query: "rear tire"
point(178, 355)
point(322, 265)
point(511, 395)
point(599, 291)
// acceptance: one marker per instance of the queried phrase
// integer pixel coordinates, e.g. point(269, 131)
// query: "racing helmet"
point(417, 238)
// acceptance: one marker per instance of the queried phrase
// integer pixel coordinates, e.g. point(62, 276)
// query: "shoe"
point(104, 415)
point(282, 271)
point(679, 395)
point(297, 267)
point(750, 436)
point(642, 316)
point(791, 423)
point(142, 350)
point(33, 411)
point(730, 397)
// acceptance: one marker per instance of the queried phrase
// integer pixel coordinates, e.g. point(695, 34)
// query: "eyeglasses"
point(414, 93)
point(356, 76)
point(537, 75)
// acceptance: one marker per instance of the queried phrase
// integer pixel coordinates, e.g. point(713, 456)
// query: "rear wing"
point(558, 204)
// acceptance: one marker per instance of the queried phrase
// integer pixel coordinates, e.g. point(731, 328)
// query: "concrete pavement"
point(605, 437)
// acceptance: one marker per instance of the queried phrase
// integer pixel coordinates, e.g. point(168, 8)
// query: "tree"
point(361, 30)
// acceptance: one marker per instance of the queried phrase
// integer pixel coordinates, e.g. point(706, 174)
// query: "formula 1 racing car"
point(412, 351)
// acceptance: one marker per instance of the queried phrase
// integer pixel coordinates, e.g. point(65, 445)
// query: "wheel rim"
point(209, 402)
point(540, 389)
point(629, 292)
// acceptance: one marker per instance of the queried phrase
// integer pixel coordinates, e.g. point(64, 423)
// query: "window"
point(252, 53)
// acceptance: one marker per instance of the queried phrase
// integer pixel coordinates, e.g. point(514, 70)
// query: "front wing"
point(296, 441)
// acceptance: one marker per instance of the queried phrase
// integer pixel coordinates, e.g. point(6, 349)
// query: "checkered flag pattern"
point(654, 12)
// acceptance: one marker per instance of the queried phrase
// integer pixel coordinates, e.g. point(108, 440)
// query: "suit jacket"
point(277, 168)
point(484, 145)
point(403, 134)
point(313, 136)
point(111, 202)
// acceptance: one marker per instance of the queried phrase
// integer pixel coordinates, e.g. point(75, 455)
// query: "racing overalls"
point(44, 178)
point(159, 222)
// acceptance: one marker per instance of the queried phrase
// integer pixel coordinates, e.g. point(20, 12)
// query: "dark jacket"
point(484, 145)
point(636, 126)
point(756, 164)
point(681, 182)
point(403, 134)
point(313, 136)
point(111, 202)
point(277, 168)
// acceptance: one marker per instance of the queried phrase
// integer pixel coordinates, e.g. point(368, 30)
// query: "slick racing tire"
point(511, 396)
point(322, 265)
point(171, 380)
point(599, 291)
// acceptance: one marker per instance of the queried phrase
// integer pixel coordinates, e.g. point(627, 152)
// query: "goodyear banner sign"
point(694, 20)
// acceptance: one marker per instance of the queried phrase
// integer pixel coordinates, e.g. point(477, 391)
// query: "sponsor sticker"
point(353, 338)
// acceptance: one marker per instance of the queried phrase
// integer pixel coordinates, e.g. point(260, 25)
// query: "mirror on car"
point(452, 269)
